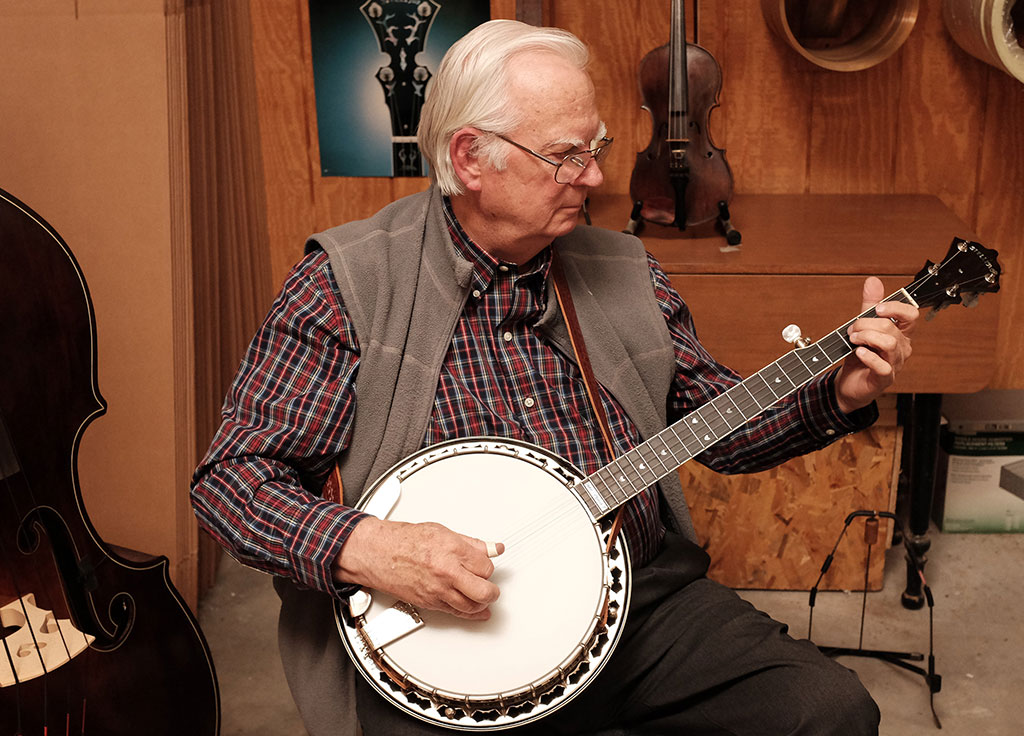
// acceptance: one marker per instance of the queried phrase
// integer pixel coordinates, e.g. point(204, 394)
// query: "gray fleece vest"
point(404, 287)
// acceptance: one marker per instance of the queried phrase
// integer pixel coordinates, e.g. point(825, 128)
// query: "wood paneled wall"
point(230, 262)
point(930, 119)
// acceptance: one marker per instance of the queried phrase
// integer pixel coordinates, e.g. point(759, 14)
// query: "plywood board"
point(773, 530)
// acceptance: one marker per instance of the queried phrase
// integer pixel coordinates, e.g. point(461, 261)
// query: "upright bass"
point(681, 179)
point(94, 640)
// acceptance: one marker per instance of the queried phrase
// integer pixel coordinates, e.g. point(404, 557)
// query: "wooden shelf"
point(873, 234)
point(802, 260)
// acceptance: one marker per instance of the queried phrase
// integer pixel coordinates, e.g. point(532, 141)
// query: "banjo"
point(550, 634)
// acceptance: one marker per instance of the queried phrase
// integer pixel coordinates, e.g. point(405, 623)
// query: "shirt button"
point(830, 432)
point(503, 268)
point(476, 293)
point(507, 336)
point(528, 403)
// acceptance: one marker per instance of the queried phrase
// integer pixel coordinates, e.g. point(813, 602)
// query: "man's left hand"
point(881, 347)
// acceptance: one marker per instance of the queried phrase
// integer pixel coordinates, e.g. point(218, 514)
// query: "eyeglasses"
point(578, 161)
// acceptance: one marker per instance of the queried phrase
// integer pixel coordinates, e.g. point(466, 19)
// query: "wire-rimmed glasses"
point(577, 162)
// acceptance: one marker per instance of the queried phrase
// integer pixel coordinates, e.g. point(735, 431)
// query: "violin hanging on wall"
point(92, 640)
point(681, 179)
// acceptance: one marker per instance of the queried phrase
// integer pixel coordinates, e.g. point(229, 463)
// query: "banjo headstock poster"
point(372, 66)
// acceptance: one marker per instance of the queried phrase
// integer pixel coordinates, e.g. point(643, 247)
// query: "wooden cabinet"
point(803, 260)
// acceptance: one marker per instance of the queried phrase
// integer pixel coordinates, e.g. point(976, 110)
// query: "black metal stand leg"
point(901, 659)
point(732, 235)
point(923, 430)
point(635, 219)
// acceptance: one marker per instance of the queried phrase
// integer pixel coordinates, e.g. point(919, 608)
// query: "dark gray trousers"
point(694, 658)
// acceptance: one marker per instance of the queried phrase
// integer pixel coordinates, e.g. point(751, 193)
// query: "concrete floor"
point(978, 587)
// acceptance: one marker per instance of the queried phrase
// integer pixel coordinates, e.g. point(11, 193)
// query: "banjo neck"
point(647, 463)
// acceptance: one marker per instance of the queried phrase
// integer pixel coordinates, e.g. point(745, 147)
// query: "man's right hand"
point(425, 564)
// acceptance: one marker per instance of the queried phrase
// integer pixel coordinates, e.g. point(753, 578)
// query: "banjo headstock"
point(968, 270)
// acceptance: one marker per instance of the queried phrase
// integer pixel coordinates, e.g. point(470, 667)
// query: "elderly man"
point(435, 319)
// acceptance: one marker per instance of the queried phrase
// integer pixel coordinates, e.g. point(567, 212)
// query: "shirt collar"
point(486, 266)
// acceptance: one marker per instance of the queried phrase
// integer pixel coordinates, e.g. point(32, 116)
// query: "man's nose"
point(592, 175)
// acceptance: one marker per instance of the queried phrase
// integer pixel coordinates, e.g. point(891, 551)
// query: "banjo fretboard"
point(647, 463)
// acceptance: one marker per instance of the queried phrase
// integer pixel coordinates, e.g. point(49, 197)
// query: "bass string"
point(16, 471)
point(8, 559)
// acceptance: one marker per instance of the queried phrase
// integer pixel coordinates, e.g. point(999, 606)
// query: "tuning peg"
point(791, 334)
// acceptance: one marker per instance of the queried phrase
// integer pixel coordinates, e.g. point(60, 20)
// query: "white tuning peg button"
point(791, 334)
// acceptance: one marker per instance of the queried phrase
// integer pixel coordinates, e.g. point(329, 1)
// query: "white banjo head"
point(548, 634)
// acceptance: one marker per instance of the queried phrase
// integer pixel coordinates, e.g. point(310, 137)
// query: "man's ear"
point(467, 164)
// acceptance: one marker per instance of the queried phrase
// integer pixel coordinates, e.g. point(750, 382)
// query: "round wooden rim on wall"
point(885, 33)
point(990, 30)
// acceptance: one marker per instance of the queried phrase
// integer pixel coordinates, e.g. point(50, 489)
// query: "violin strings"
point(7, 648)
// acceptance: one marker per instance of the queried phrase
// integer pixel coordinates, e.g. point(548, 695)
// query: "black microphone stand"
point(900, 659)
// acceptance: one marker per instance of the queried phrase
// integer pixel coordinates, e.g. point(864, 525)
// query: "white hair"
point(470, 89)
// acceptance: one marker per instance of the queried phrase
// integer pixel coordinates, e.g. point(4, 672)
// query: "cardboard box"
point(980, 479)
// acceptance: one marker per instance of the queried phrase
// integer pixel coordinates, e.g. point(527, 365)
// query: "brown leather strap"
point(583, 360)
point(333, 489)
point(578, 347)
